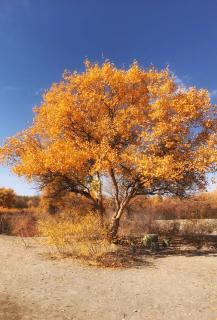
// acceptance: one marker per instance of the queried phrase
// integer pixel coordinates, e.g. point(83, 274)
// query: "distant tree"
point(22, 202)
point(7, 198)
point(133, 129)
point(33, 202)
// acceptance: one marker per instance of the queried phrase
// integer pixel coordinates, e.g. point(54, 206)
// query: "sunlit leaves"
point(135, 121)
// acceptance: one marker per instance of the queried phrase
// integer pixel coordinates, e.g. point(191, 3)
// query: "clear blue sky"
point(41, 38)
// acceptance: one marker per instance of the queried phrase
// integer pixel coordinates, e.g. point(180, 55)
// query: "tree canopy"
point(133, 127)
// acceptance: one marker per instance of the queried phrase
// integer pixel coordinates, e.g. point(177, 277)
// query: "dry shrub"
point(72, 234)
point(143, 211)
point(7, 197)
point(184, 227)
point(200, 226)
point(135, 225)
point(156, 227)
point(18, 222)
point(13, 211)
point(23, 225)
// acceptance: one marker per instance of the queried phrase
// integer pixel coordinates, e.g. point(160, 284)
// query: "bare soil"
point(163, 287)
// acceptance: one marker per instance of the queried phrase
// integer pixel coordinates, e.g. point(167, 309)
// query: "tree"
point(7, 198)
point(53, 201)
point(133, 129)
point(23, 202)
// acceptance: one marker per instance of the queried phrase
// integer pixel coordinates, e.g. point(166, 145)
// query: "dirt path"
point(169, 288)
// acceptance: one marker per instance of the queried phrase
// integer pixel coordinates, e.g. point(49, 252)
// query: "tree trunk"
point(115, 222)
point(113, 230)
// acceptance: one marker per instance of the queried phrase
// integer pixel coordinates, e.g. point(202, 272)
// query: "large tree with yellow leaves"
point(132, 129)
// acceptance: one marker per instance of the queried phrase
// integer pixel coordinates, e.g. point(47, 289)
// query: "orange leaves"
point(136, 121)
point(165, 168)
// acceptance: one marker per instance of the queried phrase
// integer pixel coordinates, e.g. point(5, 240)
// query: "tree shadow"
point(124, 258)
point(186, 252)
point(188, 246)
point(140, 258)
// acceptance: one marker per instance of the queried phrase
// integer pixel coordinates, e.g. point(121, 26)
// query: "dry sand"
point(166, 288)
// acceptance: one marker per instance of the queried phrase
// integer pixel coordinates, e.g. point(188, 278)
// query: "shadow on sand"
point(9, 309)
point(125, 258)
point(186, 252)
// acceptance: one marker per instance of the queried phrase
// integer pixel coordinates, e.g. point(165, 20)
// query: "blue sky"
point(39, 39)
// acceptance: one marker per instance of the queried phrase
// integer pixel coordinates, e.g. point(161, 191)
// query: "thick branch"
point(117, 202)
point(100, 200)
point(65, 184)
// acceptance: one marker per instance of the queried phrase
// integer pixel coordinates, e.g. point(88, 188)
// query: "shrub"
point(18, 222)
point(7, 197)
point(23, 225)
point(151, 242)
point(72, 234)
point(183, 227)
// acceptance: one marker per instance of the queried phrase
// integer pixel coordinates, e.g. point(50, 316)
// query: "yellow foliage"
point(81, 236)
point(133, 126)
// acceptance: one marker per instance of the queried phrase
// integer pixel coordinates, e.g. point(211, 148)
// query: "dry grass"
point(184, 227)
point(14, 211)
point(199, 206)
point(73, 235)
point(194, 215)
point(18, 222)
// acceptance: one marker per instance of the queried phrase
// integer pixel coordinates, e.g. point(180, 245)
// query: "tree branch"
point(117, 202)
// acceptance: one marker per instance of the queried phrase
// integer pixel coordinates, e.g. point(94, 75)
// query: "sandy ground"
point(165, 288)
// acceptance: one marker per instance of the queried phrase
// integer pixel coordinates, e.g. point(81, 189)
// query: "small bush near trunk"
point(81, 236)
